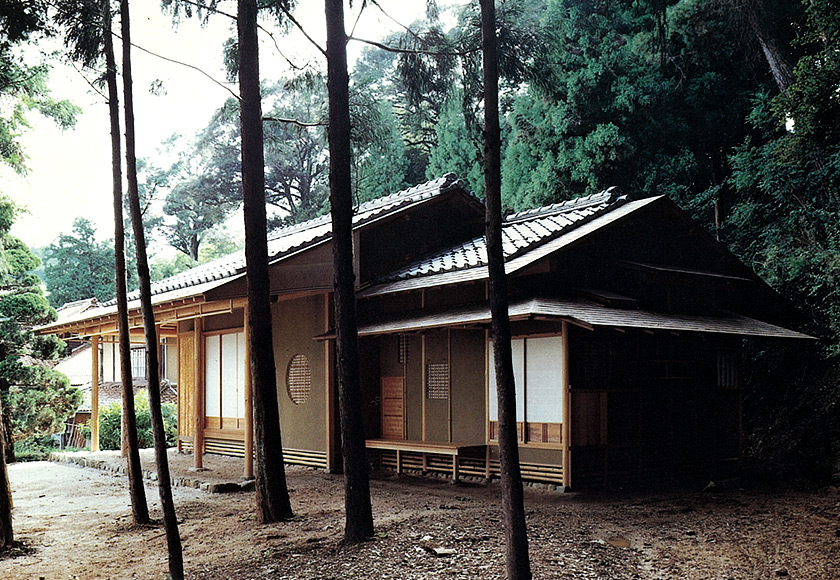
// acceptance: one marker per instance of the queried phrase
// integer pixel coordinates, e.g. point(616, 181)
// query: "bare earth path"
point(76, 524)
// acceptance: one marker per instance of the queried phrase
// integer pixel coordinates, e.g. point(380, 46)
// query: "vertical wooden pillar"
point(329, 390)
point(198, 411)
point(567, 404)
point(249, 410)
point(423, 380)
point(487, 395)
point(449, 401)
point(94, 393)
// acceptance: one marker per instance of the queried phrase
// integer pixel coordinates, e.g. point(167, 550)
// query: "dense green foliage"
point(36, 448)
point(110, 423)
point(36, 399)
point(77, 266)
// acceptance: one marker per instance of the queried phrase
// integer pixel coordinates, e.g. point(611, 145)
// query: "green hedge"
point(110, 422)
point(35, 448)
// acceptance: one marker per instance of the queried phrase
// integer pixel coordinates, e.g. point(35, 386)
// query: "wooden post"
point(329, 390)
point(198, 411)
point(94, 393)
point(487, 395)
point(249, 411)
point(567, 404)
point(423, 379)
point(449, 381)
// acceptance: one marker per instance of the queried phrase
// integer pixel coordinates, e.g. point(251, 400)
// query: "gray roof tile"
point(521, 233)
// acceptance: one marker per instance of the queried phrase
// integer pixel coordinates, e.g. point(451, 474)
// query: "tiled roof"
point(72, 309)
point(521, 233)
point(291, 239)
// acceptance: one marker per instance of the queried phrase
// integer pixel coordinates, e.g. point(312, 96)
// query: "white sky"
point(69, 171)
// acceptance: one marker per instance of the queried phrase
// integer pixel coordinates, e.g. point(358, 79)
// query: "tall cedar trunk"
point(136, 491)
point(170, 521)
point(773, 54)
point(273, 502)
point(7, 535)
point(358, 524)
point(6, 418)
point(516, 538)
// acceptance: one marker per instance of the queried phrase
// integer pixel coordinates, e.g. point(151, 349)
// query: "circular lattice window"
point(299, 379)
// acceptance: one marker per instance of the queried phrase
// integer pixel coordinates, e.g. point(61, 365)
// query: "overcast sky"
point(69, 171)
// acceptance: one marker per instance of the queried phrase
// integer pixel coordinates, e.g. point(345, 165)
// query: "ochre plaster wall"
point(468, 386)
point(295, 323)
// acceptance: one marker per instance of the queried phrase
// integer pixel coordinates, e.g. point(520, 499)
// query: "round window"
point(298, 379)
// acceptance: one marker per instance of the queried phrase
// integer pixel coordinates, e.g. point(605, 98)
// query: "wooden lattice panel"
point(299, 379)
point(437, 381)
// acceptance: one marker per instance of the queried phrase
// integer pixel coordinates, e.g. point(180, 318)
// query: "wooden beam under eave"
point(165, 314)
point(94, 393)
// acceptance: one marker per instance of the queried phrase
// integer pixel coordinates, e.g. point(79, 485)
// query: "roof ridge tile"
point(608, 196)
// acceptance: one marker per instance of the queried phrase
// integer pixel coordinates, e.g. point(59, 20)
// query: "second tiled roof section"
point(521, 232)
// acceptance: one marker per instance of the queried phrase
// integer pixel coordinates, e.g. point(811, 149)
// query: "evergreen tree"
point(625, 99)
point(455, 150)
point(783, 221)
point(77, 266)
point(37, 400)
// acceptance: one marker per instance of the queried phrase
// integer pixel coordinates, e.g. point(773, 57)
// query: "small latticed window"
point(402, 352)
point(437, 381)
point(727, 369)
point(299, 379)
point(138, 362)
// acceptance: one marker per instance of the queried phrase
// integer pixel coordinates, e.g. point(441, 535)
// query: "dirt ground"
point(74, 523)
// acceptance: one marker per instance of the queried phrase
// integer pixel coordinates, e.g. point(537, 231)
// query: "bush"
point(110, 423)
point(35, 448)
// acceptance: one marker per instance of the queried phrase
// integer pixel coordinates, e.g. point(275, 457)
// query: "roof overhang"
point(169, 310)
point(581, 313)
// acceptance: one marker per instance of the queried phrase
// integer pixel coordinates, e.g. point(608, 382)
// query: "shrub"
point(35, 448)
point(110, 423)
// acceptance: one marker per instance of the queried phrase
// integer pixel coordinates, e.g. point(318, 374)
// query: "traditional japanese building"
point(628, 320)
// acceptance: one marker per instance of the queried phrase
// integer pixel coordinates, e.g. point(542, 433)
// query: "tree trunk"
point(517, 564)
point(194, 243)
point(6, 417)
point(273, 502)
point(170, 521)
point(753, 12)
point(136, 491)
point(7, 536)
point(358, 524)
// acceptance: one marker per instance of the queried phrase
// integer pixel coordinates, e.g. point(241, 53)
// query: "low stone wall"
point(118, 468)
